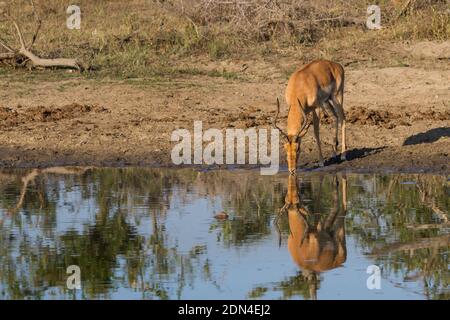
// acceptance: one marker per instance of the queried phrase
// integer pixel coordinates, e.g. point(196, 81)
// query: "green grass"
point(147, 39)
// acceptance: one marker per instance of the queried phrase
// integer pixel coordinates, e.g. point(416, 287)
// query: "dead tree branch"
point(25, 50)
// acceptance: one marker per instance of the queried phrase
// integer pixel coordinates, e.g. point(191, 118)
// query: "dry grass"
point(138, 38)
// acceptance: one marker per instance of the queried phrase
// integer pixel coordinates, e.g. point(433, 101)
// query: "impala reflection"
point(316, 241)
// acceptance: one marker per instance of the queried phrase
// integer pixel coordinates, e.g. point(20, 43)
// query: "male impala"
point(319, 84)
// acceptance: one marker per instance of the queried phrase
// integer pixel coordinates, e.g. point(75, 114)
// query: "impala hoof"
point(321, 164)
point(343, 157)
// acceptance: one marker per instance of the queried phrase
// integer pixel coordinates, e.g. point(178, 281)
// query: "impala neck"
point(295, 119)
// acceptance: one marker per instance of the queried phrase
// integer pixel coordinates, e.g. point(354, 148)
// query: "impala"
point(319, 84)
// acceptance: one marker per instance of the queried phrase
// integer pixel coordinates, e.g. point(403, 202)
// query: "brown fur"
point(319, 84)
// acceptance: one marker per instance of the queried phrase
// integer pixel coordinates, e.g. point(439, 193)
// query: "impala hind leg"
point(316, 124)
point(336, 102)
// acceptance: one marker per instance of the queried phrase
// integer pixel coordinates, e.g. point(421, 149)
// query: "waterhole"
point(142, 233)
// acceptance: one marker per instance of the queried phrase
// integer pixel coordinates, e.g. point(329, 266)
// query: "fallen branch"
point(25, 50)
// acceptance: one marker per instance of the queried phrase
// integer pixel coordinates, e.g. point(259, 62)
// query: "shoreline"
point(341, 168)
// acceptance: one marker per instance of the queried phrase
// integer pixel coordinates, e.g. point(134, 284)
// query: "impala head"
point(292, 142)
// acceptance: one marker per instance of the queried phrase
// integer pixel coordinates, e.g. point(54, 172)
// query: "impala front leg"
point(316, 123)
point(330, 110)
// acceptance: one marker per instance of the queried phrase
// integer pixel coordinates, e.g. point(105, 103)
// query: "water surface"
point(152, 234)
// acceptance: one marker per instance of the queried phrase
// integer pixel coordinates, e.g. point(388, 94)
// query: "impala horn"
point(275, 121)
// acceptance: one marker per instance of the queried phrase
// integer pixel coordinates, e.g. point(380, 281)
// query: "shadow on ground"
point(357, 153)
point(429, 136)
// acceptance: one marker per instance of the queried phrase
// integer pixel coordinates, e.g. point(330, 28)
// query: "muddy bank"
point(408, 159)
point(398, 119)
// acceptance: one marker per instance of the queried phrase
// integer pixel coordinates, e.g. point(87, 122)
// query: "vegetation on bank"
point(142, 38)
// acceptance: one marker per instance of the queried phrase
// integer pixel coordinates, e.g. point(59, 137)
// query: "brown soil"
point(398, 117)
point(21, 115)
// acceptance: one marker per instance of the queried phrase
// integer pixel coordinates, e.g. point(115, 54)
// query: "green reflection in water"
point(150, 233)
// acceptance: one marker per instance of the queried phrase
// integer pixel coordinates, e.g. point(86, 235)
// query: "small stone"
point(221, 215)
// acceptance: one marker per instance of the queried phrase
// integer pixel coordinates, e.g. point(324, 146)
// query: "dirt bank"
point(398, 117)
